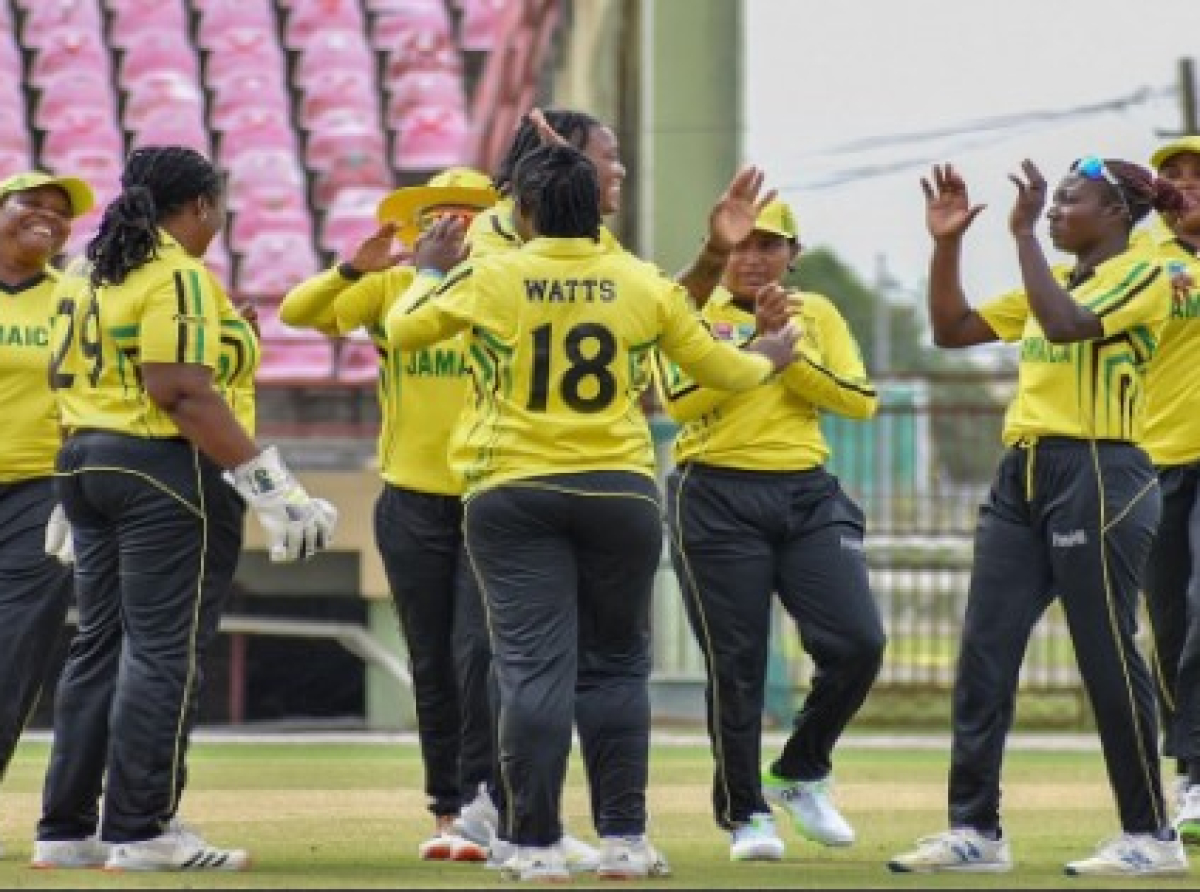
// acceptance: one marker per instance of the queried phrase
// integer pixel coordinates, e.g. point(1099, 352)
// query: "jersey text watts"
point(1091, 389)
point(170, 310)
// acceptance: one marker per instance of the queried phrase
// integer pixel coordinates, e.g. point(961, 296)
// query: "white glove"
point(58, 536)
point(297, 525)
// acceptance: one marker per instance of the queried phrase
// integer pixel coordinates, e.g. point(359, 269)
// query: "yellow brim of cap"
point(1184, 144)
point(404, 206)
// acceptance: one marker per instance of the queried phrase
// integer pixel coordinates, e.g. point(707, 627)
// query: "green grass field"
point(320, 815)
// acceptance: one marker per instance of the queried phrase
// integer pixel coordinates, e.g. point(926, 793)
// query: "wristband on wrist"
point(432, 272)
point(348, 272)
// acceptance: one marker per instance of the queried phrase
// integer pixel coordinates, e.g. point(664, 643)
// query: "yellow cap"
point(453, 187)
point(778, 218)
point(78, 192)
point(1183, 144)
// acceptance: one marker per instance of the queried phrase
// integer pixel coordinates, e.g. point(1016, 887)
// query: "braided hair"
point(556, 187)
point(1141, 191)
point(156, 183)
point(573, 126)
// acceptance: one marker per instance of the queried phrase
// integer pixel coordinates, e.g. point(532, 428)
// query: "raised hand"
point(378, 251)
point(547, 134)
point(441, 246)
point(771, 308)
point(1031, 199)
point(732, 217)
point(948, 208)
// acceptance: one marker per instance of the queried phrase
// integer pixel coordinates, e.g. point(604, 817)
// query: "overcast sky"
point(824, 78)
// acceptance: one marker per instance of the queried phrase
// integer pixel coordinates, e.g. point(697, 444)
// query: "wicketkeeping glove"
point(297, 525)
point(58, 536)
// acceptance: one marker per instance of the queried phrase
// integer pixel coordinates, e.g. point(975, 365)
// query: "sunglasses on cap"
point(1093, 168)
point(429, 216)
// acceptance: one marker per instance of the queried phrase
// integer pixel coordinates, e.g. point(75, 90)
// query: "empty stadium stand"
point(313, 109)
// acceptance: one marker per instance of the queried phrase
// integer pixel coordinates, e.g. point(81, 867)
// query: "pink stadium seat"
point(217, 259)
point(71, 89)
point(217, 16)
point(156, 51)
point(252, 128)
point(350, 219)
point(163, 90)
point(42, 19)
point(304, 19)
point(330, 49)
point(131, 16)
point(417, 88)
point(432, 137)
point(274, 263)
point(483, 22)
point(271, 169)
point(336, 91)
point(14, 160)
point(340, 138)
point(14, 135)
point(420, 52)
point(67, 49)
point(394, 27)
point(232, 100)
point(355, 169)
point(79, 128)
point(101, 170)
point(252, 221)
point(291, 355)
point(180, 127)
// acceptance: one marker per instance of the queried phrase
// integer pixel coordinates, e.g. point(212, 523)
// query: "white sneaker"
point(756, 840)
point(68, 853)
point(580, 857)
point(961, 850)
point(811, 808)
point(177, 849)
point(499, 853)
point(478, 819)
point(1187, 819)
point(1133, 854)
point(630, 858)
point(536, 864)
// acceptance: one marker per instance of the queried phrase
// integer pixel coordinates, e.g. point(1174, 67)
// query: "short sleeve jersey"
point(1173, 396)
point(1091, 389)
point(421, 392)
point(169, 310)
point(560, 339)
point(31, 430)
point(769, 428)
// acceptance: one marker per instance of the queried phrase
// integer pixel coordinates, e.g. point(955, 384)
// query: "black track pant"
point(1069, 520)
point(419, 536)
point(157, 537)
point(738, 538)
point(567, 564)
point(35, 590)
point(1173, 604)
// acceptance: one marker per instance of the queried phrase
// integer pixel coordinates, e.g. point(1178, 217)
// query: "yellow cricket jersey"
point(1091, 389)
point(421, 392)
point(559, 351)
point(31, 431)
point(1172, 435)
point(494, 231)
point(774, 427)
point(170, 310)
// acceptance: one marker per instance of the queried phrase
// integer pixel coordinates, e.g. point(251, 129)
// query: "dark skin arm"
point(185, 392)
point(1062, 319)
point(948, 214)
point(730, 222)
